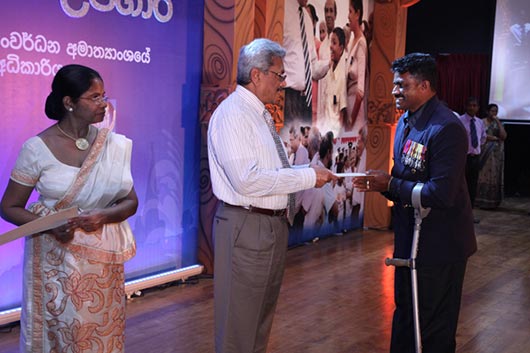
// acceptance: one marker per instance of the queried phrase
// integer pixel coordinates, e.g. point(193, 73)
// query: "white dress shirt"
point(292, 42)
point(245, 168)
point(313, 204)
point(334, 98)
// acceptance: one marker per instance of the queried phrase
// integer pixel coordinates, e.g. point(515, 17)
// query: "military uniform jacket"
point(433, 153)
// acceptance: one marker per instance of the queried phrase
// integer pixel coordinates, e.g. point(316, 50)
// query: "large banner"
point(149, 54)
point(510, 66)
point(338, 33)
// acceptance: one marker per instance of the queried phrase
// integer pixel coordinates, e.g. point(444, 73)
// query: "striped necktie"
point(283, 158)
point(307, 68)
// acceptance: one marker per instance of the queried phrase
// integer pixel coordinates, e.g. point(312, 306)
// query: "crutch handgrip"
point(419, 211)
point(398, 262)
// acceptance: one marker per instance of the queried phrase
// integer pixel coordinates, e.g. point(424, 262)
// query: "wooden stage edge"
point(337, 297)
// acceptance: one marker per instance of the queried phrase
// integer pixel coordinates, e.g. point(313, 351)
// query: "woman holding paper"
point(74, 296)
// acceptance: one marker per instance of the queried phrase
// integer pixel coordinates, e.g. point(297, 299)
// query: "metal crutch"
point(419, 214)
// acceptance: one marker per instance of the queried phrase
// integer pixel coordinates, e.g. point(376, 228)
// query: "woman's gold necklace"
point(81, 143)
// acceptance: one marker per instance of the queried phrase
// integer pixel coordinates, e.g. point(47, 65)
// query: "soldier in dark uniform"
point(430, 147)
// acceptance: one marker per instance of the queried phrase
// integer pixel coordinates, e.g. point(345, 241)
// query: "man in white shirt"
point(298, 107)
point(330, 11)
point(251, 177)
point(476, 133)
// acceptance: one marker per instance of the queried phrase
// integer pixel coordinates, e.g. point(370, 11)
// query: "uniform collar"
point(421, 116)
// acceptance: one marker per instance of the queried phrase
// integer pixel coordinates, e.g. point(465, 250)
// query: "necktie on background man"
point(473, 133)
point(307, 64)
point(283, 158)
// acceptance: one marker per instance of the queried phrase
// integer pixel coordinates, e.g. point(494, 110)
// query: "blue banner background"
point(156, 94)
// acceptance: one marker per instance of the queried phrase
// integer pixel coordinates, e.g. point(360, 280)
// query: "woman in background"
point(356, 64)
point(73, 287)
point(490, 188)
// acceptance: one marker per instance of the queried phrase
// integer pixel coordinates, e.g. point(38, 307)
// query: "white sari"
point(74, 298)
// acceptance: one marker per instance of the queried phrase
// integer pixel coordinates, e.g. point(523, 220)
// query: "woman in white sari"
point(74, 299)
point(356, 70)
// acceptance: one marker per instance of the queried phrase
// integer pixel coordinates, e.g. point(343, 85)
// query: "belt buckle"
point(277, 213)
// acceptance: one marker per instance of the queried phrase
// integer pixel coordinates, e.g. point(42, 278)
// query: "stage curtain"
point(461, 76)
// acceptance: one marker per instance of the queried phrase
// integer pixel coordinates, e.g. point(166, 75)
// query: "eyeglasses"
point(279, 75)
point(97, 99)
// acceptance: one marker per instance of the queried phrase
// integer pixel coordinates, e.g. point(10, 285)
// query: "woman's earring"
point(70, 109)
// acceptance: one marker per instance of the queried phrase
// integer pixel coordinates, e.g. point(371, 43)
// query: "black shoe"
point(476, 220)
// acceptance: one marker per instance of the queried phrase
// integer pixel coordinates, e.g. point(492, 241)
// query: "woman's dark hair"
point(314, 16)
point(358, 7)
point(339, 32)
point(326, 145)
point(70, 81)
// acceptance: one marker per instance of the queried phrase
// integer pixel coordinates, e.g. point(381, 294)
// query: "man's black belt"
point(265, 211)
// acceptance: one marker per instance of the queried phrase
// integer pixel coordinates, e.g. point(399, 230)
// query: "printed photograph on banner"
point(325, 123)
point(510, 63)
